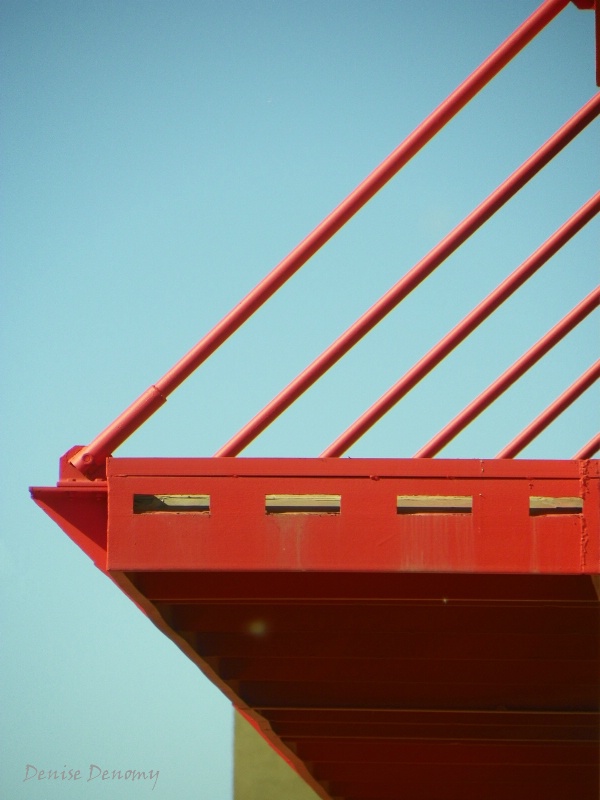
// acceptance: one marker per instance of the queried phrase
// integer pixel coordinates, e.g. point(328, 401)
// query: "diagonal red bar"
point(413, 278)
point(90, 458)
point(465, 327)
point(512, 374)
point(589, 449)
point(548, 416)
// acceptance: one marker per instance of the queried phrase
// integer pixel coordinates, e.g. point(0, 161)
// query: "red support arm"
point(460, 332)
point(90, 459)
point(412, 278)
point(512, 374)
point(556, 408)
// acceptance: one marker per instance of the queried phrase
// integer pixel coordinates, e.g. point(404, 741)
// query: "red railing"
point(460, 332)
point(512, 374)
point(552, 412)
point(89, 460)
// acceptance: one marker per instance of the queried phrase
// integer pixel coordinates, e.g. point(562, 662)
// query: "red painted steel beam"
point(412, 279)
point(548, 416)
point(590, 449)
point(392, 694)
point(330, 636)
point(407, 670)
point(432, 784)
point(398, 755)
point(464, 328)
point(496, 533)
point(403, 616)
point(546, 646)
point(89, 459)
point(82, 515)
point(510, 376)
point(440, 725)
point(435, 781)
point(189, 587)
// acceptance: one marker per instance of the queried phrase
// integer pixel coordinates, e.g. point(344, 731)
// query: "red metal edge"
point(498, 534)
point(81, 512)
point(81, 509)
point(349, 467)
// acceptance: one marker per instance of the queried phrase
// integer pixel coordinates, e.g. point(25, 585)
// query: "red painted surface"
point(499, 535)
point(589, 448)
point(432, 654)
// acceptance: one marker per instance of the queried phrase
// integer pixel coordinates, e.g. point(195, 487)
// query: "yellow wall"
point(259, 773)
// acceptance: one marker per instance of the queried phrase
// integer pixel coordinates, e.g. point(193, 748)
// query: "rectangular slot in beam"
point(174, 503)
point(433, 504)
point(303, 503)
point(539, 506)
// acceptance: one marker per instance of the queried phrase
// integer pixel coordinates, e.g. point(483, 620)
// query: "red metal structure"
point(411, 628)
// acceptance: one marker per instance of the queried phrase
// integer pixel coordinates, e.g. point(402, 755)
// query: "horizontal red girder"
point(491, 783)
point(498, 535)
point(371, 755)
point(401, 724)
point(177, 587)
point(423, 645)
point(358, 642)
point(439, 616)
point(447, 695)
point(479, 786)
point(408, 670)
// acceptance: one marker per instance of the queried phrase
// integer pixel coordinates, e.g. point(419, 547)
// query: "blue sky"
point(158, 159)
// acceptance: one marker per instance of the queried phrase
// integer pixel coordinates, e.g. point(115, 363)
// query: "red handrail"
point(547, 416)
point(512, 374)
point(465, 327)
point(413, 278)
point(589, 449)
point(90, 458)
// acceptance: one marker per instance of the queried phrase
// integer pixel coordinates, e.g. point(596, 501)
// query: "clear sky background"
point(158, 159)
